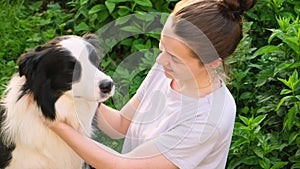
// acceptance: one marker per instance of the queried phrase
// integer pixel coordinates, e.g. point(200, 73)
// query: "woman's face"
point(177, 60)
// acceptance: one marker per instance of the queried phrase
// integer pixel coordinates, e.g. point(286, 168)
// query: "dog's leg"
point(5, 150)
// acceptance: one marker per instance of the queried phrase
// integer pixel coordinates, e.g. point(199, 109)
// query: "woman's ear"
point(216, 63)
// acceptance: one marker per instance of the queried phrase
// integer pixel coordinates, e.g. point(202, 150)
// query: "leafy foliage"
point(264, 70)
point(265, 85)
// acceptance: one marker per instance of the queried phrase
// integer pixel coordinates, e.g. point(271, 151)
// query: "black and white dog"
point(56, 81)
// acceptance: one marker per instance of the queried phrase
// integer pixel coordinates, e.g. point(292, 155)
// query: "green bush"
point(264, 70)
point(23, 27)
point(266, 85)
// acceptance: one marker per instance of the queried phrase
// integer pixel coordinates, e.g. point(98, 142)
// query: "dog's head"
point(66, 63)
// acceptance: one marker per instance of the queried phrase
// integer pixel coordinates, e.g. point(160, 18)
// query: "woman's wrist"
point(56, 126)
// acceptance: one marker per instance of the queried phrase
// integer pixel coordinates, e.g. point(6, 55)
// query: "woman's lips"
point(168, 70)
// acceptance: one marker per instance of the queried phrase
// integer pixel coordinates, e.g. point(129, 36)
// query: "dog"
point(57, 81)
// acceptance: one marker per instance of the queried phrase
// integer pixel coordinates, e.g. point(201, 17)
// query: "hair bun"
point(239, 6)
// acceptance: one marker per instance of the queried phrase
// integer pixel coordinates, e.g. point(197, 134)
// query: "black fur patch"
point(49, 71)
point(94, 54)
point(5, 150)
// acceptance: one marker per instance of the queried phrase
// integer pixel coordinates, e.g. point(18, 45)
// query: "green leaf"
point(148, 44)
point(131, 29)
point(110, 6)
point(293, 43)
point(246, 95)
point(122, 20)
point(244, 119)
point(267, 49)
point(279, 165)
point(259, 119)
point(240, 142)
point(265, 163)
point(293, 137)
point(140, 47)
point(285, 91)
point(96, 9)
point(276, 33)
point(123, 10)
point(146, 3)
point(117, 1)
point(234, 162)
point(296, 165)
point(290, 118)
point(126, 42)
point(258, 151)
point(245, 109)
point(82, 27)
point(285, 66)
point(293, 80)
point(281, 101)
point(285, 82)
point(83, 2)
point(55, 6)
point(84, 11)
point(145, 17)
point(102, 15)
point(260, 81)
point(250, 160)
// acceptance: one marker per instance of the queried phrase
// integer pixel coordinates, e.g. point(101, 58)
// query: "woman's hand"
point(56, 125)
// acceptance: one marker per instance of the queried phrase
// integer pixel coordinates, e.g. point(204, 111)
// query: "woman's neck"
point(198, 87)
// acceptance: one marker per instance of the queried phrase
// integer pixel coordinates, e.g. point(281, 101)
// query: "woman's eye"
point(175, 59)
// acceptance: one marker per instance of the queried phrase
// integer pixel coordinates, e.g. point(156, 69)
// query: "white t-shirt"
point(193, 133)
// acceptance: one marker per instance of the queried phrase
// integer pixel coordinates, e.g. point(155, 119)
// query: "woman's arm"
point(115, 123)
point(102, 157)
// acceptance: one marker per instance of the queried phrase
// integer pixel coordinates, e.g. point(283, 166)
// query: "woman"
point(182, 116)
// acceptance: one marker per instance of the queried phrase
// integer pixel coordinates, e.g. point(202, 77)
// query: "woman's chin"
point(168, 75)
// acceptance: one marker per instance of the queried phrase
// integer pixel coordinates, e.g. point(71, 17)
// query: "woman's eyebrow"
point(167, 51)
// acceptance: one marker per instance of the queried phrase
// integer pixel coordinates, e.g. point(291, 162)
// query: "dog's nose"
point(106, 85)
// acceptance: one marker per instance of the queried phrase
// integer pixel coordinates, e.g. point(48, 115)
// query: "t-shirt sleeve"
point(188, 144)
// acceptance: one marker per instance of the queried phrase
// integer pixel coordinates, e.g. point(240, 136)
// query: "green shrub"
point(265, 85)
point(264, 70)
point(25, 27)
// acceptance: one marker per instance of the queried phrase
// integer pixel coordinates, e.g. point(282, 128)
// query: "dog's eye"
point(38, 48)
point(94, 57)
point(74, 68)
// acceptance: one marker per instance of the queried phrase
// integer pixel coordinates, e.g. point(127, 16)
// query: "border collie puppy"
point(56, 81)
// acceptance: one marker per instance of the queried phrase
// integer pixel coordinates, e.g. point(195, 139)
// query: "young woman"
point(182, 116)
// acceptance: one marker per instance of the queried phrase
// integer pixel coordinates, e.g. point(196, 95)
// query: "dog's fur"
point(56, 81)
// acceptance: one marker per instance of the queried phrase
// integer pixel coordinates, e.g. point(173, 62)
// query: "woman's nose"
point(162, 59)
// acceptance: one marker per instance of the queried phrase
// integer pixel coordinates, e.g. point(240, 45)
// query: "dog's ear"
point(57, 70)
point(49, 73)
point(92, 39)
point(27, 63)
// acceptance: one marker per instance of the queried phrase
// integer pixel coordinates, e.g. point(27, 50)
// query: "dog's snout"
point(106, 86)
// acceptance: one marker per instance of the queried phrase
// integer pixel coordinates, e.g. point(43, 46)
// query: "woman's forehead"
point(192, 37)
point(168, 29)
